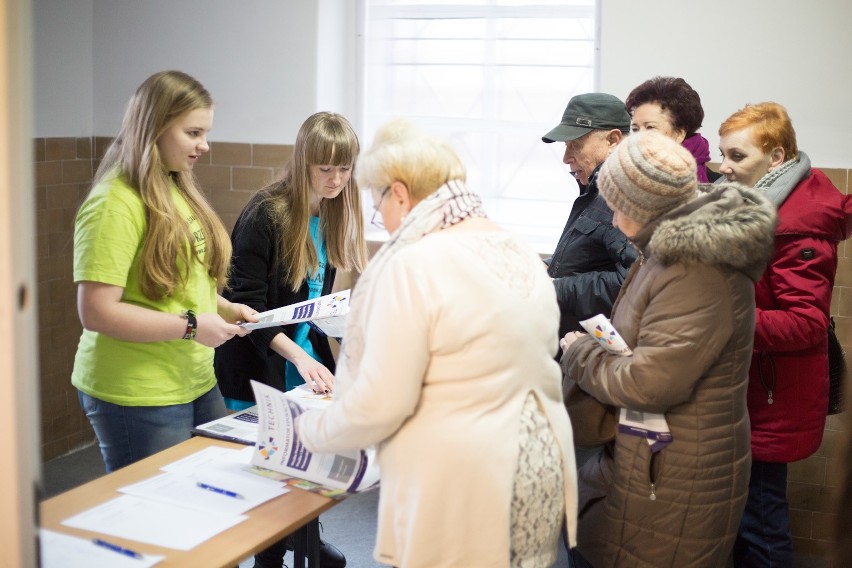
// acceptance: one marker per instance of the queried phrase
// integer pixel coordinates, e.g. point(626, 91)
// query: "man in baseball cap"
point(592, 125)
point(592, 257)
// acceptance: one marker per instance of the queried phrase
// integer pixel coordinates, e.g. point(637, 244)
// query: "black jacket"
point(254, 281)
point(591, 260)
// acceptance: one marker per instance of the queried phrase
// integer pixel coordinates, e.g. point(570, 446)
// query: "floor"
point(351, 525)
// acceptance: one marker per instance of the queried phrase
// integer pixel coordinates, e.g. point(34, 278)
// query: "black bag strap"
point(836, 371)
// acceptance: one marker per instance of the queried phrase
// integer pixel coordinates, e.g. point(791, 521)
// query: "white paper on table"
point(235, 462)
point(153, 522)
point(210, 455)
point(59, 550)
point(181, 488)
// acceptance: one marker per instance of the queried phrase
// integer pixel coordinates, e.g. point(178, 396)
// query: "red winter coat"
point(790, 345)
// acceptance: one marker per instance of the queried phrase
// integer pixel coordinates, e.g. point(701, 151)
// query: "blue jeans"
point(129, 433)
point(764, 538)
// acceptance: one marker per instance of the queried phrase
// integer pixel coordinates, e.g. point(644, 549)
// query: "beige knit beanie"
point(647, 175)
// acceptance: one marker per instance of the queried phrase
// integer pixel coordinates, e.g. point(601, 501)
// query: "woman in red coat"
point(788, 379)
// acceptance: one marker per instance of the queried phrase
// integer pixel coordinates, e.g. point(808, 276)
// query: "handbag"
point(836, 371)
point(592, 422)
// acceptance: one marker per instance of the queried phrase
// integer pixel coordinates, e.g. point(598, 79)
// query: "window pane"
point(492, 76)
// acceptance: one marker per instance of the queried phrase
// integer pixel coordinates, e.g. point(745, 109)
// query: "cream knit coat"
point(456, 329)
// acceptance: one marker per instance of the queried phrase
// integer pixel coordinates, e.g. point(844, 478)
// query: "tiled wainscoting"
point(64, 167)
point(230, 173)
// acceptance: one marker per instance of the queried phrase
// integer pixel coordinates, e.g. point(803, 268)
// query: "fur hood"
point(726, 224)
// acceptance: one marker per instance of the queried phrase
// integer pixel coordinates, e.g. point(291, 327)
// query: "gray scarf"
point(778, 183)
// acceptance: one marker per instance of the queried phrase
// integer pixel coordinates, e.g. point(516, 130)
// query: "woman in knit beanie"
point(647, 178)
point(686, 311)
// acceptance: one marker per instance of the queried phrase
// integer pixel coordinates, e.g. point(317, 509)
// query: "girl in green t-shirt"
point(149, 254)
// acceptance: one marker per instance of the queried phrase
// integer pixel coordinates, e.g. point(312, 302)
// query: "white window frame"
point(537, 210)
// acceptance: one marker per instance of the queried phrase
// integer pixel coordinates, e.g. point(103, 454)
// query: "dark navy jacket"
point(591, 260)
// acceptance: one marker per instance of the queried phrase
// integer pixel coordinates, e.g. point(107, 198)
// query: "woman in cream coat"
point(447, 366)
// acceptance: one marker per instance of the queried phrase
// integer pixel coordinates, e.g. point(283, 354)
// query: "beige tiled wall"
point(63, 172)
point(812, 482)
point(230, 173)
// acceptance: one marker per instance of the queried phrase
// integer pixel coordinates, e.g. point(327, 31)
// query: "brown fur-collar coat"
point(687, 311)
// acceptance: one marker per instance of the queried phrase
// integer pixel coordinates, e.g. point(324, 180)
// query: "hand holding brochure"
point(278, 446)
point(601, 329)
point(326, 313)
point(651, 426)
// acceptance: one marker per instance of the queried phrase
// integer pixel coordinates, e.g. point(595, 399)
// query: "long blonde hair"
point(167, 246)
point(325, 138)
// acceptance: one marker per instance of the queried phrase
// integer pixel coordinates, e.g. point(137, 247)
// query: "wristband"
point(191, 324)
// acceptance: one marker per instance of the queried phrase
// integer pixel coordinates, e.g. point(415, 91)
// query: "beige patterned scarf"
point(451, 203)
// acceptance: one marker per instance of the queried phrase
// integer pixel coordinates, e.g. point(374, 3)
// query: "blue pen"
point(219, 490)
point(119, 549)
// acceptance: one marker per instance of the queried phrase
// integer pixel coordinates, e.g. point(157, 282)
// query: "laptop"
point(239, 427)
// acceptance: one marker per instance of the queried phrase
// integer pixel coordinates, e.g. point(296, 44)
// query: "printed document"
point(212, 490)
point(651, 426)
point(279, 449)
point(59, 550)
point(153, 522)
point(326, 313)
point(198, 497)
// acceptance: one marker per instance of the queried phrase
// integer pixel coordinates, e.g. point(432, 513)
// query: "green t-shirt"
point(108, 235)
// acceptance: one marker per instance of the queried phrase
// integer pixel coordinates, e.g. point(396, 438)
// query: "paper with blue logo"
point(278, 447)
point(326, 313)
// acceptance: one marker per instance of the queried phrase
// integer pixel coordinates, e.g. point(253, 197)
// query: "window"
point(492, 76)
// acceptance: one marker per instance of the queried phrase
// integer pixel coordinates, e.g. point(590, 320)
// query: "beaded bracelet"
point(191, 324)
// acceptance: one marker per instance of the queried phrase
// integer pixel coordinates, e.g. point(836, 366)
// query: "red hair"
point(771, 127)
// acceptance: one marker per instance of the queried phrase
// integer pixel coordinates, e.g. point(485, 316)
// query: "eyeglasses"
point(376, 219)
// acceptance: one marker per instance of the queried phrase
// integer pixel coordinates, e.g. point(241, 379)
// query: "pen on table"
point(219, 490)
point(117, 548)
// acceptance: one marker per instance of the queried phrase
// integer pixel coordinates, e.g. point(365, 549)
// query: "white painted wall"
point(257, 58)
point(733, 52)
point(337, 55)
point(271, 63)
point(62, 69)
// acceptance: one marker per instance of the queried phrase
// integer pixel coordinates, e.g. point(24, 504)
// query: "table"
point(293, 512)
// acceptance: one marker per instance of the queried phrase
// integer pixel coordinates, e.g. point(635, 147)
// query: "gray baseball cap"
point(587, 112)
